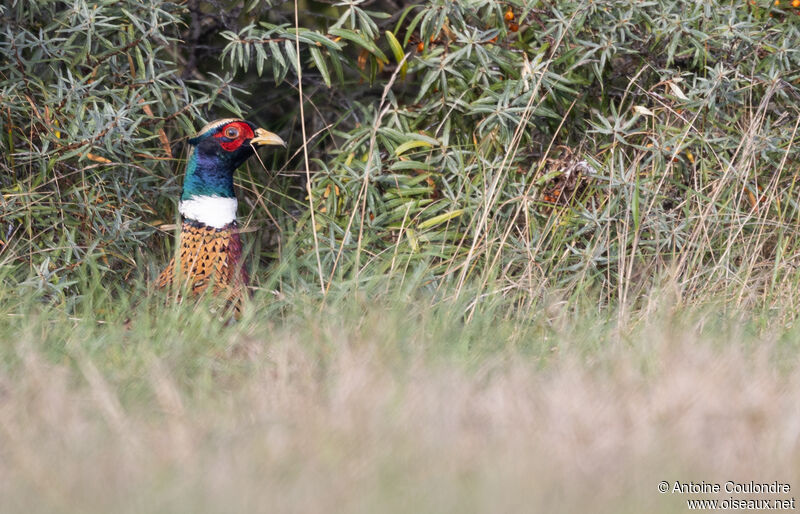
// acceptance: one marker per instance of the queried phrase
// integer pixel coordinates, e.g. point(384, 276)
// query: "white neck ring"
point(214, 211)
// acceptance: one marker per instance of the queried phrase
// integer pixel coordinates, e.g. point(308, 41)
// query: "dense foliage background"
point(533, 145)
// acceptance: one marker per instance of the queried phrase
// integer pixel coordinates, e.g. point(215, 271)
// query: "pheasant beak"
point(264, 137)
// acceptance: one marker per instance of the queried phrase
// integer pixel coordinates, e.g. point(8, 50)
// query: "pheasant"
point(210, 247)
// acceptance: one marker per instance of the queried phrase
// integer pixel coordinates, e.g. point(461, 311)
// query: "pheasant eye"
point(231, 132)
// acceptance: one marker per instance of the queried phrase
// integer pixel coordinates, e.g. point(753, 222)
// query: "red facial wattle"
point(233, 135)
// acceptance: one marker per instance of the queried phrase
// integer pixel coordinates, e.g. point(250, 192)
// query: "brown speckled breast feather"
point(209, 257)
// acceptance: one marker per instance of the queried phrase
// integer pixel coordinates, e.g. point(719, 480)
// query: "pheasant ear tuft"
point(194, 140)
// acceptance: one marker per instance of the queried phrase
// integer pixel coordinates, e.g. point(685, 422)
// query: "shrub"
point(440, 137)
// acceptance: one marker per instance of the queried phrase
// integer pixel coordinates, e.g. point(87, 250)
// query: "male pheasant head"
point(218, 149)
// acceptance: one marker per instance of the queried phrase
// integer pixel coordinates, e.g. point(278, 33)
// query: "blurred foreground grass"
point(386, 400)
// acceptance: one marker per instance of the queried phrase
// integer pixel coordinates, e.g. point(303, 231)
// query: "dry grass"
point(370, 415)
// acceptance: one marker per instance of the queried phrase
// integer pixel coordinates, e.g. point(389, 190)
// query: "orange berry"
point(430, 39)
point(420, 46)
point(777, 2)
point(796, 3)
point(509, 15)
point(513, 27)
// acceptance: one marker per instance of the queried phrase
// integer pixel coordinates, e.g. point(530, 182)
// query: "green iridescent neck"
point(208, 175)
